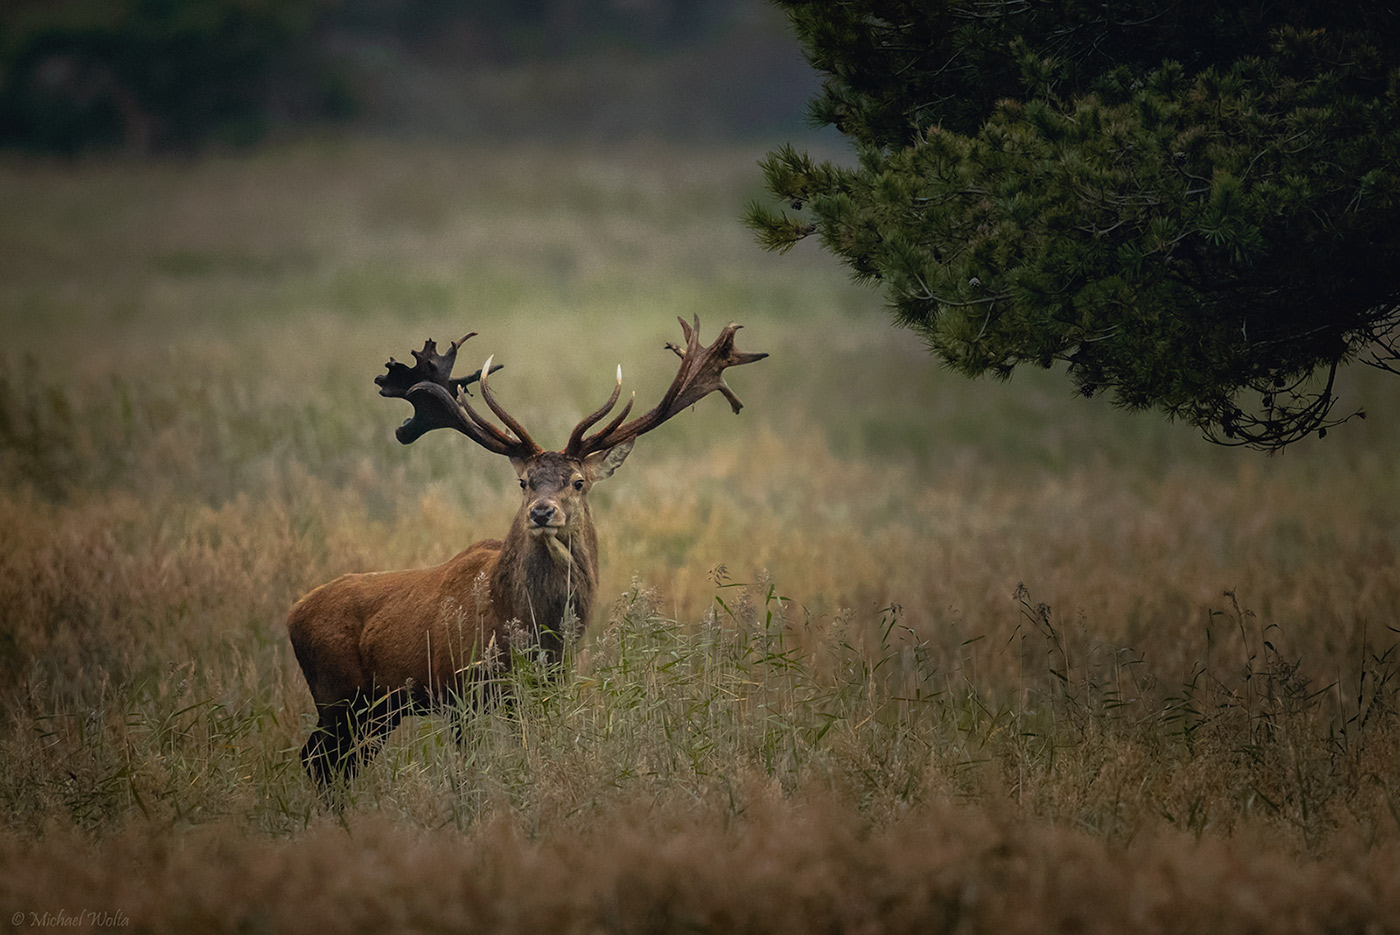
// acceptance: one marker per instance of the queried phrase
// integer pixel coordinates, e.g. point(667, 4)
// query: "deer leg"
point(328, 748)
point(349, 733)
point(376, 721)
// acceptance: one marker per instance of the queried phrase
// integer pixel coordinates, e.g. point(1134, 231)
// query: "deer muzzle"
point(545, 517)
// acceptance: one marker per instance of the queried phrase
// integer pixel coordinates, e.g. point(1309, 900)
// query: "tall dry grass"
point(889, 648)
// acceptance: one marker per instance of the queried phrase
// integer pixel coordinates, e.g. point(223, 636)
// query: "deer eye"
point(522, 483)
point(578, 483)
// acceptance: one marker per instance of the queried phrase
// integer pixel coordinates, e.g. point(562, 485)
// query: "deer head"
point(555, 484)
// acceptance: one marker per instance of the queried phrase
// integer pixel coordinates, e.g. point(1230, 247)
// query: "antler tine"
point(526, 441)
point(460, 384)
point(487, 435)
point(611, 427)
point(701, 372)
point(686, 373)
point(576, 435)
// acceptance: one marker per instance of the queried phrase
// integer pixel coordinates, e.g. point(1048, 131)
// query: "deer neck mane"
point(548, 586)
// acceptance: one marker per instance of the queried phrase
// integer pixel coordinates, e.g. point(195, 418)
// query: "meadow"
point(888, 651)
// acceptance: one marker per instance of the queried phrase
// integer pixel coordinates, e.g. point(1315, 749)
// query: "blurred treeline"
point(162, 75)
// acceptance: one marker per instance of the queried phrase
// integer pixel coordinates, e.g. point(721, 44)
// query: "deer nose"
point(541, 514)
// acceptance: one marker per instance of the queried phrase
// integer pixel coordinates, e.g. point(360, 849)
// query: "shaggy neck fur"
point(549, 585)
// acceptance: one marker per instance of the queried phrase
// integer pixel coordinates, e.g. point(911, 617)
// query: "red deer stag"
point(375, 647)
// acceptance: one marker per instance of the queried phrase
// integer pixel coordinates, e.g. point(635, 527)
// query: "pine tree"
point(1191, 205)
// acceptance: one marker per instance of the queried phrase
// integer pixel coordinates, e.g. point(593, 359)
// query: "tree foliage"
point(1192, 205)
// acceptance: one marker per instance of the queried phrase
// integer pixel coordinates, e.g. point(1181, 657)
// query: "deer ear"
point(520, 464)
point(601, 464)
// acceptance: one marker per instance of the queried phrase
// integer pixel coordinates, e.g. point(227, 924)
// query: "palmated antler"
point(440, 401)
point(701, 373)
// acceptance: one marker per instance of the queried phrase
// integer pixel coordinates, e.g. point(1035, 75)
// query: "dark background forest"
point(159, 75)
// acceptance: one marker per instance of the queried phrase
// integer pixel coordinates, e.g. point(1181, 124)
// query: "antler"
point(701, 373)
point(440, 401)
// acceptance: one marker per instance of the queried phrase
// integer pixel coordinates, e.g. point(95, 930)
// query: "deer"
point(377, 646)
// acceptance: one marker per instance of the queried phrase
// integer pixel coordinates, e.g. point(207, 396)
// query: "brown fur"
point(376, 646)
